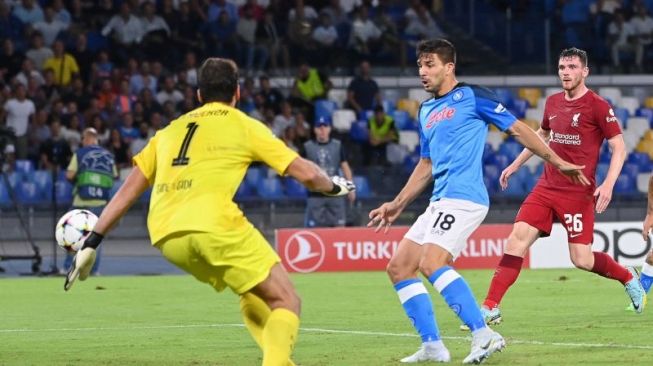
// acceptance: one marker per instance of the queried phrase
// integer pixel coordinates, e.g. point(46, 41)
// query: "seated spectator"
point(120, 150)
point(50, 26)
point(10, 26)
point(124, 100)
point(55, 152)
point(620, 38)
point(126, 30)
point(27, 72)
point(299, 30)
point(143, 79)
point(423, 26)
point(39, 52)
point(217, 7)
point(308, 86)
point(272, 97)
point(190, 66)
point(283, 120)
point(642, 24)
point(72, 133)
point(365, 35)
point(106, 96)
point(101, 128)
point(63, 65)
point(185, 29)
point(256, 9)
point(61, 13)
point(382, 132)
point(363, 92)
point(103, 67)
point(10, 61)
point(223, 37)
point(169, 93)
point(128, 132)
point(255, 54)
point(143, 138)
point(270, 35)
point(84, 57)
point(325, 37)
point(155, 33)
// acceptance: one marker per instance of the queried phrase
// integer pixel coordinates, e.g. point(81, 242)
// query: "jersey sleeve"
point(604, 115)
point(268, 148)
point(146, 159)
point(491, 110)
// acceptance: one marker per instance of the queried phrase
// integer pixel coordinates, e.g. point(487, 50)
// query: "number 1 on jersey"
point(182, 159)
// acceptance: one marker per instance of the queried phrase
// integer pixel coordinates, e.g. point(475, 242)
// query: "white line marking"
point(331, 331)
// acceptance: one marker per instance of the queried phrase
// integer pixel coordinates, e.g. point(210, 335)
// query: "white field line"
point(329, 331)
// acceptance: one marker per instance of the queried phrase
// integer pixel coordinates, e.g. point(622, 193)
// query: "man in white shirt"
point(27, 71)
point(364, 33)
point(18, 113)
point(39, 52)
point(642, 25)
point(169, 93)
point(50, 27)
point(128, 28)
point(620, 34)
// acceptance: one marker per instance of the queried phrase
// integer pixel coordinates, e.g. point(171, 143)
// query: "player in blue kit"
point(453, 129)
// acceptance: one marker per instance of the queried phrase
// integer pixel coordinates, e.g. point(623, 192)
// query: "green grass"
point(552, 317)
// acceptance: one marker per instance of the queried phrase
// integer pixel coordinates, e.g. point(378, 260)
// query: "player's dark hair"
point(573, 51)
point(441, 47)
point(218, 80)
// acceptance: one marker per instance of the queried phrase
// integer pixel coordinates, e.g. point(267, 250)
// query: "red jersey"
point(578, 128)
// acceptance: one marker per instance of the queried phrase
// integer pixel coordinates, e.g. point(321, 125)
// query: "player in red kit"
point(575, 123)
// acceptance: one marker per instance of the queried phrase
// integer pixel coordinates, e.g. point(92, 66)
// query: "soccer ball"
point(72, 227)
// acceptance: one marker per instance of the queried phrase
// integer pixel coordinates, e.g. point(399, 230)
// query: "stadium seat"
point(410, 106)
point(630, 169)
point(519, 107)
point(549, 92)
point(630, 103)
point(622, 114)
point(533, 124)
point(254, 176)
point(28, 193)
point(43, 181)
point(625, 185)
point(402, 120)
point(639, 125)
point(614, 94)
point(645, 146)
point(418, 94)
point(534, 114)
point(642, 182)
point(533, 164)
point(145, 197)
point(362, 187)
point(294, 189)
point(270, 189)
point(631, 139)
point(515, 187)
point(490, 185)
point(388, 106)
point(648, 135)
point(25, 167)
point(339, 96)
point(505, 97)
point(491, 172)
point(495, 139)
point(391, 95)
point(601, 171)
point(500, 160)
point(410, 139)
point(14, 178)
point(487, 152)
point(648, 103)
point(342, 119)
point(5, 198)
point(409, 164)
point(532, 95)
point(359, 132)
point(641, 160)
point(324, 108)
point(511, 149)
point(647, 113)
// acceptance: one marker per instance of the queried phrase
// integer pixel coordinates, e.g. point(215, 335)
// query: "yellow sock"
point(255, 314)
point(279, 335)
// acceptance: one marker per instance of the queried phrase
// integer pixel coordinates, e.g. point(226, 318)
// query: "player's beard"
point(572, 84)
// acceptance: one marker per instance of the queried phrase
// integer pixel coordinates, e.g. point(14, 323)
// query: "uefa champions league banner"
point(361, 249)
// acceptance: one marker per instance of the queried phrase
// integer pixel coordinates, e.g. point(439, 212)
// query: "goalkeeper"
point(194, 167)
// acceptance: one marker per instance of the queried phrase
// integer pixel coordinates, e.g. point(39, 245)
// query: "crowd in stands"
point(127, 68)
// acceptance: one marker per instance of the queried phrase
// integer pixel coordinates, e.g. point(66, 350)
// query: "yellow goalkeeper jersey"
point(196, 164)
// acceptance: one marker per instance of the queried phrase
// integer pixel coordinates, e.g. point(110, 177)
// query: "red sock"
point(504, 276)
point(607, 267)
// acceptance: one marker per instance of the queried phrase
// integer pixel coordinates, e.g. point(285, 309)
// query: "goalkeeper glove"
point(341, 187)
point(83, 260)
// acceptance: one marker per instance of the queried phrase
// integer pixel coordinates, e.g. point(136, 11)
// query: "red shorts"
point(577, 216)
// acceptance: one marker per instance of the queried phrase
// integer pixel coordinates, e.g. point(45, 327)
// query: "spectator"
point(50, 26)
point(143, 79)
point(27, 72)
point(257, 10)
point(139, 142)
point(39, 132)
point(124, 100)
point(423, 26)
point(329, 154)
point(55, 152)
point(382, 132)
point(155, 33)
point(149, 102)
point(337, 14)
point(28, 12)
point(283, 120)
point(223, 36)
point(128, 132)
point(642, 25)
point(83, 56)
point(106, 96)
point(253, 51)
point(39, 52)
point(71, 133)
point(363, 92)
point(271, 36)
point(100, 127)
point(272, 97)
point(185, 29)
point(127, 31)
point(11, 61)
point(61, 13)
point(365, 35)
point(63, 65)
point(308, 86)
point(190, 66)
point(78, 94)
point(620, 38)
point(300, 28)
point(18, 112)
point(10, 26)
point(169, 93)
point(217, 7)
point(326, 37)
point(120, 150)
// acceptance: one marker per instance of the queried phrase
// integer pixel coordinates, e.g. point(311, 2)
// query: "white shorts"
point(447, 223)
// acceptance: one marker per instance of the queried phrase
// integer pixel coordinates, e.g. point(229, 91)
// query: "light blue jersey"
point(453, 130)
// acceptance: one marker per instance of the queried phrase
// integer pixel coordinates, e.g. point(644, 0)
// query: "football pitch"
point(551, 317)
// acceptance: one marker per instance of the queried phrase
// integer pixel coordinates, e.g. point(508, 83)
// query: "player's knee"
point(584, 263)
point(396, 272)
point(517, 244)
point(649, 258)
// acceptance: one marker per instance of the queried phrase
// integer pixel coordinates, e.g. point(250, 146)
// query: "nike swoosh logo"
point(552, 117)
point(575, 235)
point(486, 346)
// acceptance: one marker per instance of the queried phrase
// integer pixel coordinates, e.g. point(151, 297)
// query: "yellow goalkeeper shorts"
point(238, 262)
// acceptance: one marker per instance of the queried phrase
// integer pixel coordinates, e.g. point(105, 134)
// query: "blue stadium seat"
point(270, 188)
point(388, 106)
point(630, 169)
point(515, 187)
point(601, 172)
point(96, 42)
point(645, 112)
point(244, 192)
point(14, 178)
point(5, 199)
point(359, 131)
point(28, 193)
point(410, 162)
point(622, 114)
point(625, 185)
point(487, 152)
point(511, 149)
point(519, 107)
point(145, 197)
point(43, 181)
point(362, 187)
point(500, 160)
point(641, 159)
point(254, 177)
point(324, 108)
point(25, 167)
point(491, 172)
point(63, 192)
point(402, 120)
point(294, 189)
point(490, 185)
point(505, 97)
